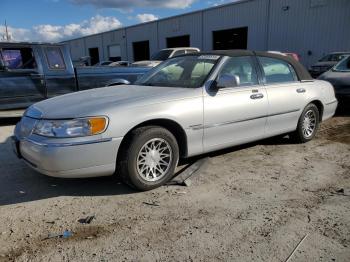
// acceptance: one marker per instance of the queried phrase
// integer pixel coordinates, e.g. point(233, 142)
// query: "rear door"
point(235, 115)
point(287, 95)
point(21, 81)
point(59, 71)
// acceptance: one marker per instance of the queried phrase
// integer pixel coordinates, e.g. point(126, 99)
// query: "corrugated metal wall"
point(251, 14)
point(310, 28)
point(115, 38)
point(182, 25)
point(94, 41)
point(306, 25)
point(77, 48)
point(142, 32)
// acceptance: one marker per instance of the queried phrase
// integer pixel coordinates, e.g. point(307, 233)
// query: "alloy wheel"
point(154, 159)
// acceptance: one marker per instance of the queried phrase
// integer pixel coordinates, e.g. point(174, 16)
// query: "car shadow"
point(20, 184)
point(277, 140)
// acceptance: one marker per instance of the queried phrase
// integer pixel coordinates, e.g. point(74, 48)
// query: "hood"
point(150, 63)
point(100, 100)
point(336, 78)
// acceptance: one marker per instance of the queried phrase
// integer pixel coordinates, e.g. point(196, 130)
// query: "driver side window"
point(242, 68)
point(18, 58)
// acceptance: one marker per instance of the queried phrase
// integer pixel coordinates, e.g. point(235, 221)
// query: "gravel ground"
point(250, 203)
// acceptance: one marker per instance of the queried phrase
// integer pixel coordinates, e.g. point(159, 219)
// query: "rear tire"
point(307, 125)
point(148, 158)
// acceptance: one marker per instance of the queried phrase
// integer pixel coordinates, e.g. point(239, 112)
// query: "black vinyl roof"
point(300, 70)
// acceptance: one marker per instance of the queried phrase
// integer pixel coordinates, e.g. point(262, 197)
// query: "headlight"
point(71, 128)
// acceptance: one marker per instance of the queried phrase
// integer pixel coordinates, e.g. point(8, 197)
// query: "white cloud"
point(221, 2)
point(143, 18)
point(15, 34)
point(123, 4)
point(52, 33)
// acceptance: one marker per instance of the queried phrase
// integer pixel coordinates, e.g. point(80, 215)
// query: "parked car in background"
point(293, 55)
point(120, 63)
point(339, 77)
point(186, 106)
point(164, 54)
point(326, 63)
point(33, 72)
point(103, 63)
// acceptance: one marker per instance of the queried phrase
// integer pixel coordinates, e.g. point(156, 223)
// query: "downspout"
point(268, 25)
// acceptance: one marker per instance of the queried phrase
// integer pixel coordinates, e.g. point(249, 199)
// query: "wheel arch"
point(319, 106)
point(172, 126)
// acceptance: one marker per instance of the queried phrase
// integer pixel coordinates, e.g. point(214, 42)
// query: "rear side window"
point(243, 68)
point(277, 71)
point(179, 52)
point(18, 58)
point(54, 58)
point(191, 51)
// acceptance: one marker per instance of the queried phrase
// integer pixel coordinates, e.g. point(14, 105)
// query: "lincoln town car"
point(188, 105)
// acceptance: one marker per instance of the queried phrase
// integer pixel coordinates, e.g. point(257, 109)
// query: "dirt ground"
point(250, 203)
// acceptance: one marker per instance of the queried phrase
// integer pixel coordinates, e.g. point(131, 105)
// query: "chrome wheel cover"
point(309, 124)
point(154, 159)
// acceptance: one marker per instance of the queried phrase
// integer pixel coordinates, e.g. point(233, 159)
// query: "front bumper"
point(70, 160)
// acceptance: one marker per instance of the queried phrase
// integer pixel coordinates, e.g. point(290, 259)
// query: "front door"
point(59, 72)
point(235, 115)
point(21, 83)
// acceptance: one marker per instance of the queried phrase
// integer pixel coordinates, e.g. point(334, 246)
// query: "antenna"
point(7, 36)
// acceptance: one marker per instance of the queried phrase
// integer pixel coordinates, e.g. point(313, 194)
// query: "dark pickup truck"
point(32, 72)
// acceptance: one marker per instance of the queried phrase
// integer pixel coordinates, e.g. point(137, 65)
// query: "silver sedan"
point(186, 106)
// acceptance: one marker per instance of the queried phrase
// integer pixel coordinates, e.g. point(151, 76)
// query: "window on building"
point(236, 38)
point(18, 58)
point(277, 71)
point(243, 68)
point(178, 41)
point(55, 58)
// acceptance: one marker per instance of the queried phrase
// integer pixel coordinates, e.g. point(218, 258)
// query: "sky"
point(58, 20)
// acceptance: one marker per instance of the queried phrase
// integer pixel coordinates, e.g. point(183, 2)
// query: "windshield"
point(333, 58)
point(162, 55)
point(185, 71)
point(343, 66)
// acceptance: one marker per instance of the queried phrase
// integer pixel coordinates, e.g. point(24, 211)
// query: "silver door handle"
point(257, 96)
point(301, 90)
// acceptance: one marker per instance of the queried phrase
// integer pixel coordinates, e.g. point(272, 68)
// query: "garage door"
point(114, 53)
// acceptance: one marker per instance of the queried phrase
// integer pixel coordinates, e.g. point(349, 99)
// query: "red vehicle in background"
point(294, 55)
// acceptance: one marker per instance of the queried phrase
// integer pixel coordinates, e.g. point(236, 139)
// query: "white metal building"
point(310, 28)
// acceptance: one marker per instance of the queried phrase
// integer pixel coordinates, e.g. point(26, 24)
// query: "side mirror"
point(227, 80)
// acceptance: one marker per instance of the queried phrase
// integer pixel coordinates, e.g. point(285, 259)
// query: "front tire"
point(149, 158)
point(307, 125)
